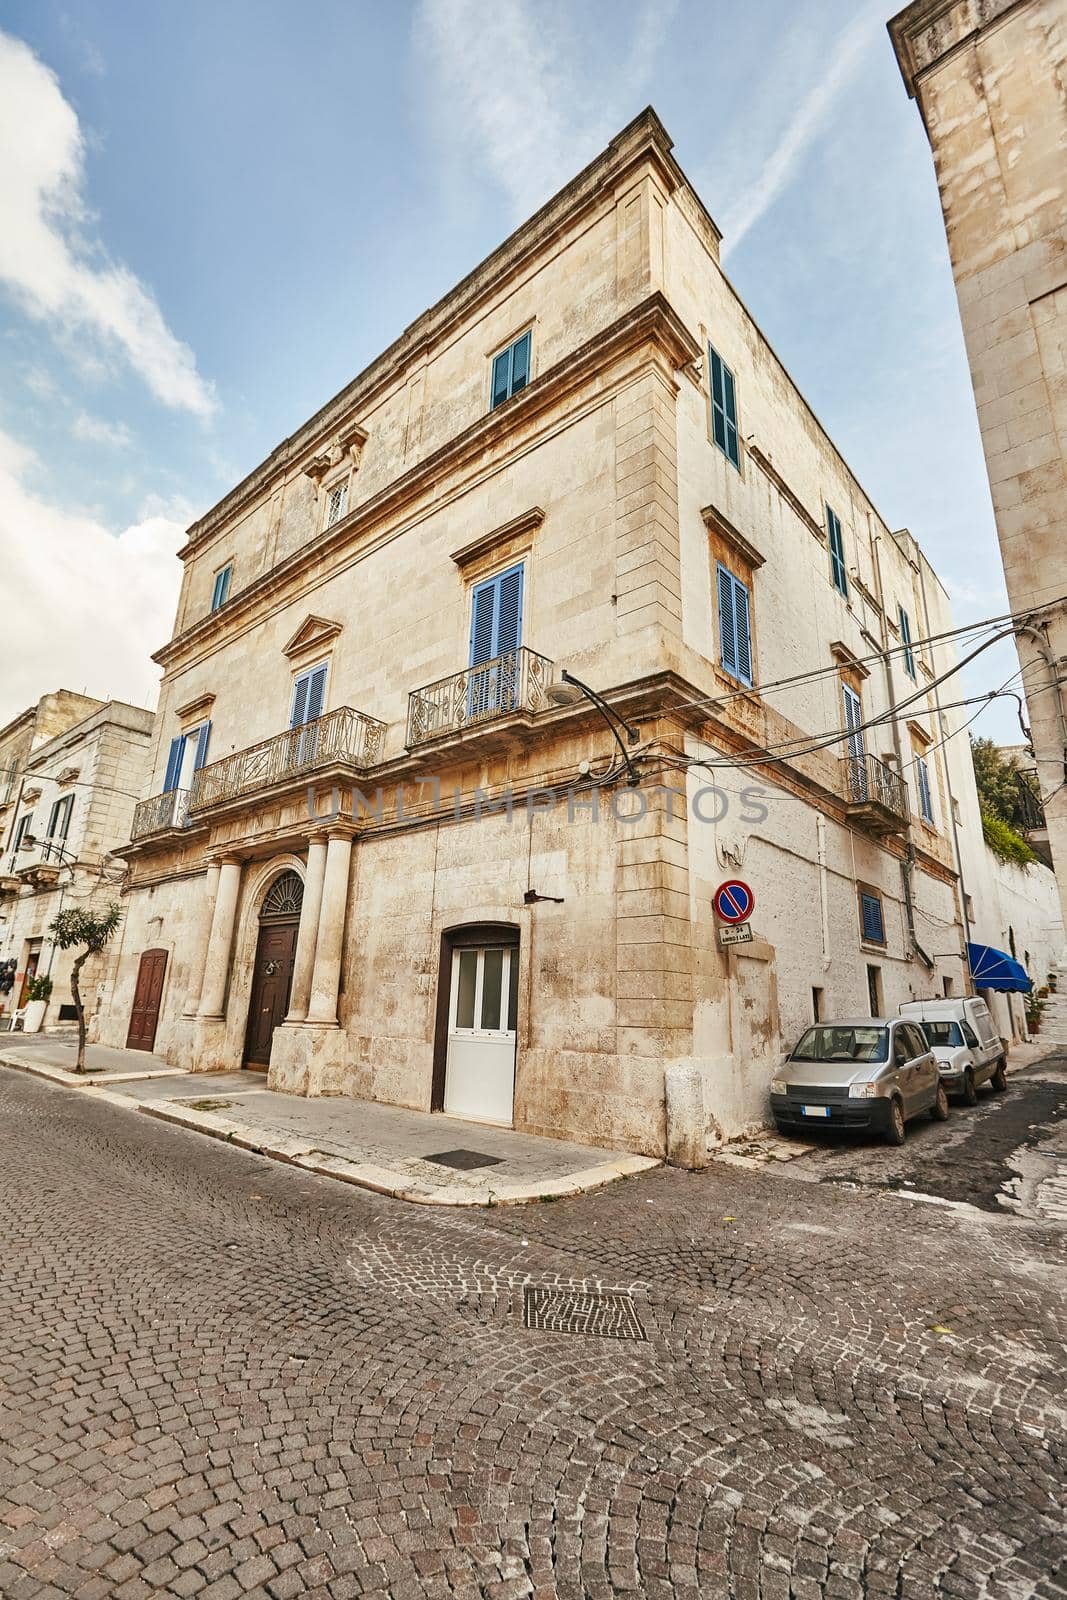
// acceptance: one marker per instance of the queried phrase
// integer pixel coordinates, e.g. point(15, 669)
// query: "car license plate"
point(815, 1111)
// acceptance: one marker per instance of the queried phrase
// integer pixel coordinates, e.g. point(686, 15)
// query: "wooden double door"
point(272, 979)
point(146, 1000)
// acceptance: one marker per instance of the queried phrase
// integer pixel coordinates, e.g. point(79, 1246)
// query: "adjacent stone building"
point(79, 765)
point(389, 850)
point(990, 79)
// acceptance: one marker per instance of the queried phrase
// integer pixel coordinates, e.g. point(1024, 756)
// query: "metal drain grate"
point(608, 1315)
point(464, 1160)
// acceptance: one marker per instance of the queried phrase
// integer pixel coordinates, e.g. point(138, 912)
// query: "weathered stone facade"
point(602, 479)
point(990, 78)
point(80, 765)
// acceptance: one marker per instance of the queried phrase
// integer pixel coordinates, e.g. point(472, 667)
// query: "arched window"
point(283, 899)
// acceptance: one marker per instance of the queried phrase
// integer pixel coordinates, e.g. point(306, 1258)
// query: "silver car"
point(869, 1073)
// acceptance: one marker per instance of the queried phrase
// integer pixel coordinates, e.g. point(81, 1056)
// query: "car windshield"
point(840, 1043)
point(942, 1033)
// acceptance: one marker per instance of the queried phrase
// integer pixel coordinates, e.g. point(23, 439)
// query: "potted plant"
point(1034, 1008)
point(38, 994)
point(1052, 983)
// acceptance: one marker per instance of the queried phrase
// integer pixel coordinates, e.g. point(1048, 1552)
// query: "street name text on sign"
point(736, 933)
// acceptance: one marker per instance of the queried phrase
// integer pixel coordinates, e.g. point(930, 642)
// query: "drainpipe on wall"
point(968, 981)
point(905, 873)
point(824, 892)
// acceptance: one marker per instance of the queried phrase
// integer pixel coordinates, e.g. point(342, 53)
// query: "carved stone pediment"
point(313, 634)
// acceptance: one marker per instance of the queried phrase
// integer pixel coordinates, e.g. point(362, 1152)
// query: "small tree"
point(92, 930)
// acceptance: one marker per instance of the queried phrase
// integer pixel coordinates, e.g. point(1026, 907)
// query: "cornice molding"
point(653, 322)
point(793, 500)
point(715, 522)
point(644, 140)
point(848, 658)
point(927, 32)
point(312, 634)
point(195, 710)
point(473, 552)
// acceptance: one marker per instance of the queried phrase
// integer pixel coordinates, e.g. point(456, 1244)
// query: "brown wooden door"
point(271, 982)
point(146, 999)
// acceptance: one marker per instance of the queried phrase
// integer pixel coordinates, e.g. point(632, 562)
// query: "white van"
point(968, 1048)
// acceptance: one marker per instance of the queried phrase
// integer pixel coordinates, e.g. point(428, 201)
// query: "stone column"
point(326, 974)
point(196, 968)
point(304, 961)
point(220, 940)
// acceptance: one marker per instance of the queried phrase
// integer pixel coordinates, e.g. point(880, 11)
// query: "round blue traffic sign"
point(734, 901)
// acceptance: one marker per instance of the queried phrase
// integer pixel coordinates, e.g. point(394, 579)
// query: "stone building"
point(990, 79)
point(390, 851)
point(79, 766)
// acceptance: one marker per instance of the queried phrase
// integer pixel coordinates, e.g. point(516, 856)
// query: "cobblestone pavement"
point(220, 1377)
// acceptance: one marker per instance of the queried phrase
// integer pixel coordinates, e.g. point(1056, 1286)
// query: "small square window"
point(511, 371)
point(221, 592)
point(336, 502)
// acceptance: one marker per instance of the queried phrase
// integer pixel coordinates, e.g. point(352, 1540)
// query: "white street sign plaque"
point(737, 933)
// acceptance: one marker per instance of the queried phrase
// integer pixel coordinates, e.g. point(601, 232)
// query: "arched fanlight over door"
point(284, 898)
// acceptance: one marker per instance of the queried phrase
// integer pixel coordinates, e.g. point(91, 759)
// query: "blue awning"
point(993, 969)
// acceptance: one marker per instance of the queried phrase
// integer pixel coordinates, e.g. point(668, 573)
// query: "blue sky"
point(216, 214)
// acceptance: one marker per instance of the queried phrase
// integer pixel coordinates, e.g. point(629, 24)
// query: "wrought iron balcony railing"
point(161, 812)
point(870, 784)
point(517, 681)
point(342, 738)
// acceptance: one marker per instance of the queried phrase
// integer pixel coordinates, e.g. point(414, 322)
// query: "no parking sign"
point(734, 901)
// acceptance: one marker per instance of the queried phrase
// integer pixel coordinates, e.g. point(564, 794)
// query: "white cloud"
point(813, 110)
point(91, 603)
point(93, 430)
point(515, 69)
point(55, 272)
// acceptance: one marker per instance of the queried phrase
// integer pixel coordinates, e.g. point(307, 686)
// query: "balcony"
point(515, 683)
point(162, 812)
point(877, 796)
point(344, 739)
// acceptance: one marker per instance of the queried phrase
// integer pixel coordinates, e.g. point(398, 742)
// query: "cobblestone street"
point(221, 1377)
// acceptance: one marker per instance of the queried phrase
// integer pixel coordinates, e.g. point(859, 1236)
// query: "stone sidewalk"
point(426, 1158)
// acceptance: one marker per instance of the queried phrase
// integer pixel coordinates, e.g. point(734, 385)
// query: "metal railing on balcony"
point(161, 812)
point(517, 681)
point(343, 738)
point(869, 781)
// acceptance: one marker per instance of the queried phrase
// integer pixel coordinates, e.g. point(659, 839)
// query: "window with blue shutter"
point(496, 635)
point(203, 734)
point(221, 592)
point(853, 721)
point(723, 407)
point(309, 696)
point(905, 634)
point(871, 918)
point(511, 371)
point(174, 763)
point(926, 802)
point(735, 633)
point(59, 819)
point(838, 570)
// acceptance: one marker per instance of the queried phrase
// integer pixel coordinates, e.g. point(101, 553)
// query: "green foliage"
point(996, 776)
point(76, 926)
point(39, 988)
point(1005, 843)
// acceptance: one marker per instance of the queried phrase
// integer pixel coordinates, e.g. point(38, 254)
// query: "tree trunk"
point(79, 1008)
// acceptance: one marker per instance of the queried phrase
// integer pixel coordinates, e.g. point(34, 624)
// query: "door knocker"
point(270, 969)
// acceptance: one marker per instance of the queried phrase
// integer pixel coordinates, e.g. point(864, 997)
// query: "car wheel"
point(939, 1109)
point(970, 1089)
point(999, 1080)
point(894, 1133)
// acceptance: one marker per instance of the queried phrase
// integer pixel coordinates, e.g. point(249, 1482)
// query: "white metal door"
point(480, 1063)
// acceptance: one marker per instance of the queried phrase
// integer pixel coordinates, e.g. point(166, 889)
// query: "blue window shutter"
point(202, 736)
point(905, 634)
point(174, 763)
point(743, 653)
point(520, 363)
point(316, 693)
point(483, 622)
point(926, 805)
point(509, 612)
point(873, 921)
point(723, 407)
point(501, 374)
point(300, 702)
point(838, 570)
point(727, 626)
